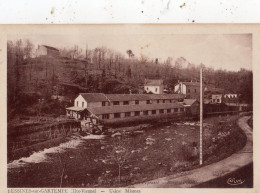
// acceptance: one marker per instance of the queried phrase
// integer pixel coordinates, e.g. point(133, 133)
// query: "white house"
point(191, 90)
point(154, 86)
point(83, 101)
point(216, 98)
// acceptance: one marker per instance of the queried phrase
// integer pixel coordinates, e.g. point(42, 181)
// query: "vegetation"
point(119, 153)
point(101, 69)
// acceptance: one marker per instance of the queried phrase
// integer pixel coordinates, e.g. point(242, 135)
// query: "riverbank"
point(25, 138)
point(216, 172)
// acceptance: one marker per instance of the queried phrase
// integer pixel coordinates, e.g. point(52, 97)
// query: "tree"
point(130, 53)
point(28, 49)
point(169, 61)
point(119, 153)
point(157, 74)
point(39, 108)
point(129, 72)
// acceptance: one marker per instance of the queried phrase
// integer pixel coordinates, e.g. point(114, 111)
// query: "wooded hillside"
point(31, 78)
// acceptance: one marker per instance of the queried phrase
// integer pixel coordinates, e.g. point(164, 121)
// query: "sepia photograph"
point(129, 106)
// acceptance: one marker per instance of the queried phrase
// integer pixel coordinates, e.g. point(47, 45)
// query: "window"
point(105, 116)
point(168, 110)
point(195, 90)
point(156, 89)
point(117, 115)
point(161, 111)
point(126, 102)
point(145, 112)
point(103, 103)
point(137, 113)
point(218, 100)
point(163, 101)
point(170, 101)
point(158, 101)
point(82, 104)
point(116, 103)
point(77, 103)
point(127, 114)
point(146, 88)
point(175, 110)
point(188, 90)
point(136, 102)
point(153, 112)
point(148, 102)
point(181, 109)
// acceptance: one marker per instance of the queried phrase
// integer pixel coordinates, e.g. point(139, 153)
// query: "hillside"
point(31, 79)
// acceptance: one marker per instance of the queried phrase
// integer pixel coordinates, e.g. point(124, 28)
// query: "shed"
point(192, 106)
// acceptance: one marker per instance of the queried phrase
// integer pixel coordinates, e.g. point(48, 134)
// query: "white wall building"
point(154, 86)
point(216, 98)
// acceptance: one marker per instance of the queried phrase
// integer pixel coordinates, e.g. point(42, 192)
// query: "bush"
point(190, 152)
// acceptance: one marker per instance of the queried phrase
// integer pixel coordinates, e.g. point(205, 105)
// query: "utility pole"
point(201, 116)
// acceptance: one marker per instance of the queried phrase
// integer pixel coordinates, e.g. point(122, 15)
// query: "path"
point(192, 178)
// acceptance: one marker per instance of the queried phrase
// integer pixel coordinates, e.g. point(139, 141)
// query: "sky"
point(219, 51)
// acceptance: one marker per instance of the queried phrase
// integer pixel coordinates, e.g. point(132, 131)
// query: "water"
point(87, 158)
point(41, 156)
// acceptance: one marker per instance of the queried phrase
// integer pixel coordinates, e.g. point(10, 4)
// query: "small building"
point(192, 106)
point(154, 86)
point(49, 51)
point(216, 98)
point(191, 90)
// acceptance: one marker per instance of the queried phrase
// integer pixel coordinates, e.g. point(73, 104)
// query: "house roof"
point(156, 82)
point(132, 108)
point(165, 96)
point(94, 97)
point(76, 108)
point(99, 97)
point(127, 97)
point(51, 48)
point(189, 101)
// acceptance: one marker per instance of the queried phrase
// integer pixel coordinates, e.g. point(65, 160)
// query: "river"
point(87, 160)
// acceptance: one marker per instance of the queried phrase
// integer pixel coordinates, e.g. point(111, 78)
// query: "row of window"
point(127, 102)
point(137, 113)
point(136, 102)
